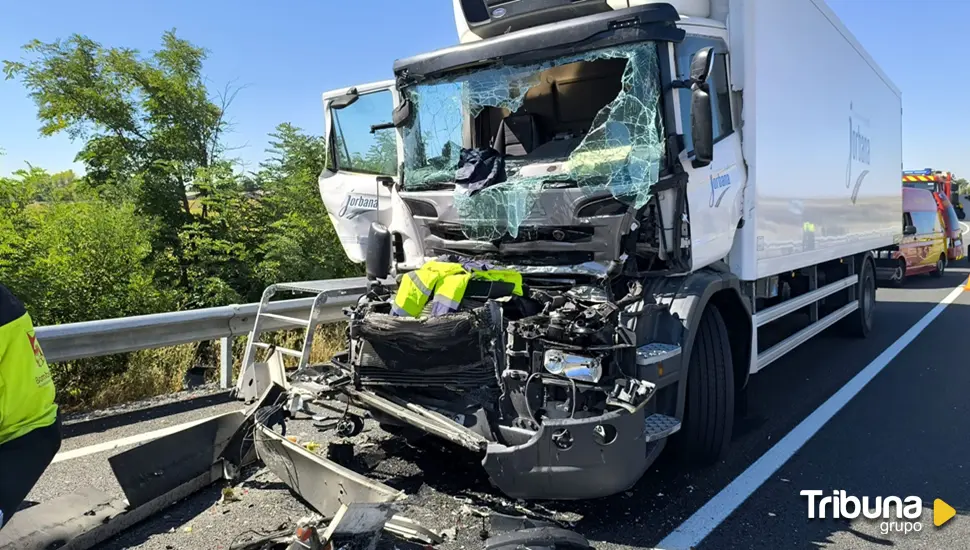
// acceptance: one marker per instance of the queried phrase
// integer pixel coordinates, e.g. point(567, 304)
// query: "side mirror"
point(346, 100)
point(401, 115)
point(377, 262)
point(701, 116)
point(909, 230)
point(702, 65)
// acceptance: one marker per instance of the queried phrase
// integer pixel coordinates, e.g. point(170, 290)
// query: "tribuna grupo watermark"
point(898, 515)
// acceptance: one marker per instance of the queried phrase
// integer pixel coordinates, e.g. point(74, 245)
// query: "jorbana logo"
point(355, 205)
point(859, 144)
point(839, 505)
point(719, 186)
point(859, 151)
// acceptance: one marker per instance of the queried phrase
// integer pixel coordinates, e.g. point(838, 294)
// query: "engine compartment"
point(502, 364)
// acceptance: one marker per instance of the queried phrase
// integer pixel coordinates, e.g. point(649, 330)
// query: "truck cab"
point(583, 161)
point(548, 123)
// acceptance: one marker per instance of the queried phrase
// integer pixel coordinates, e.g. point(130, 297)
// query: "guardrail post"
point(225, 361)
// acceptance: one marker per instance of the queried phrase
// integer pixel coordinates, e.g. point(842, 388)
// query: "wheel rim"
point(939, 265)
point(900, 272)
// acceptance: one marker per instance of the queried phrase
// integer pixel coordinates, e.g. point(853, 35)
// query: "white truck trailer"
point(670, 179)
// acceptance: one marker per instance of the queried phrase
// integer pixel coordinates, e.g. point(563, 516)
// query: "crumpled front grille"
point(432, 351)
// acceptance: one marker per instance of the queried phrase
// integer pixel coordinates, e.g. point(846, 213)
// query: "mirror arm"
point(385, 126)
point(688, 84)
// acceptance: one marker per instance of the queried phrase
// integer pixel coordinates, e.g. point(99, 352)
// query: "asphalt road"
point(905, 433)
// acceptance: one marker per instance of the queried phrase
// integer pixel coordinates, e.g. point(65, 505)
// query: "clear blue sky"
point(287, 54)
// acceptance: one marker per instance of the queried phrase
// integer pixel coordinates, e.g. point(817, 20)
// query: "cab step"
point(656, 352)
point(659, 426)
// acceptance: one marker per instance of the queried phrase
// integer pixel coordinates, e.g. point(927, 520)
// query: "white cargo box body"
point(822, 137)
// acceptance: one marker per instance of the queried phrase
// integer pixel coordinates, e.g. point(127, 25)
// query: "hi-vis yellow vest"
point(26, 388)
point(447, 282)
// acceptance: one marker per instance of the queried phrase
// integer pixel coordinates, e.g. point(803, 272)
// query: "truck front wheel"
point(709, 410)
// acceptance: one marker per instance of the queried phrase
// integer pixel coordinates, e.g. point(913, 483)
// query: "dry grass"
point(162, 371)
point(150, 373)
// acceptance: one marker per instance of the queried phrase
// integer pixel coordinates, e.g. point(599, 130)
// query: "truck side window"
point(351, 143)
point(718, 82)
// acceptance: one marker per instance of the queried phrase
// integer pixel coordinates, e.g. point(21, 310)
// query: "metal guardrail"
point(125, 334)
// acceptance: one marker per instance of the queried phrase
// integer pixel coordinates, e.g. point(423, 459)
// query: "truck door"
point(361, 157)
point(714, 192)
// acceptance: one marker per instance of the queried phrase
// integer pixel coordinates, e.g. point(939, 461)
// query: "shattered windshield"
point(501, 134)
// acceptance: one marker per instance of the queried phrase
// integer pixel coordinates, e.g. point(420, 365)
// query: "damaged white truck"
point(665, 182)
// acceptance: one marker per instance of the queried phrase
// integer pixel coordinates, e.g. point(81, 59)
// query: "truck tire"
point(709, 410)
point(940, 267)
point(858, 324)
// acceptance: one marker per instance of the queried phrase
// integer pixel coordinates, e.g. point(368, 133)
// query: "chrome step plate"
point(659, 426)
point(656, 352)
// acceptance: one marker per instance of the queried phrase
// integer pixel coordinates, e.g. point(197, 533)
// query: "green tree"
point(152, 131)
point(300, 241)
point(148, 122)
point(265, 228)
point(381, 158)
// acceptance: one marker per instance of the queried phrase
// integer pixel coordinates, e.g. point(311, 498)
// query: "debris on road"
point(229, 495)
point(411, 530)
point(351, 509)
point(324, 484)
point(538, 538)
point(152, 476)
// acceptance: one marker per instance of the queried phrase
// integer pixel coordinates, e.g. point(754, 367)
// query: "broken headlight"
point(575, 367)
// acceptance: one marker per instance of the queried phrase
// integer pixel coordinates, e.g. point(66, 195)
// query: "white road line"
point(690, 533)
point(124, 441)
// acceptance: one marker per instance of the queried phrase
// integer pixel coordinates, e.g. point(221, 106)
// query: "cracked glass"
point(620, 151)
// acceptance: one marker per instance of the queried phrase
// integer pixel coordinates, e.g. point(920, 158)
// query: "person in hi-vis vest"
point(30, 428)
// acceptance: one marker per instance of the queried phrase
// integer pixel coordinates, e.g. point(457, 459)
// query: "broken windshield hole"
point(589, 121)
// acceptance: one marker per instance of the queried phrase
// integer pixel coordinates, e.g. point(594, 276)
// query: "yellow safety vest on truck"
point(26, 388)
point(446, 281)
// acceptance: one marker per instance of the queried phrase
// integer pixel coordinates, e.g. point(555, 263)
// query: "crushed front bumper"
point(570, 459)
point(566, 459)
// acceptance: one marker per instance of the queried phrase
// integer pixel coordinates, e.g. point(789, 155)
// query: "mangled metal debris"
point(538, 538)
point(338, 492)
point(411, 530)
point(159, 466)
point(153, 476)
point(322, 483)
